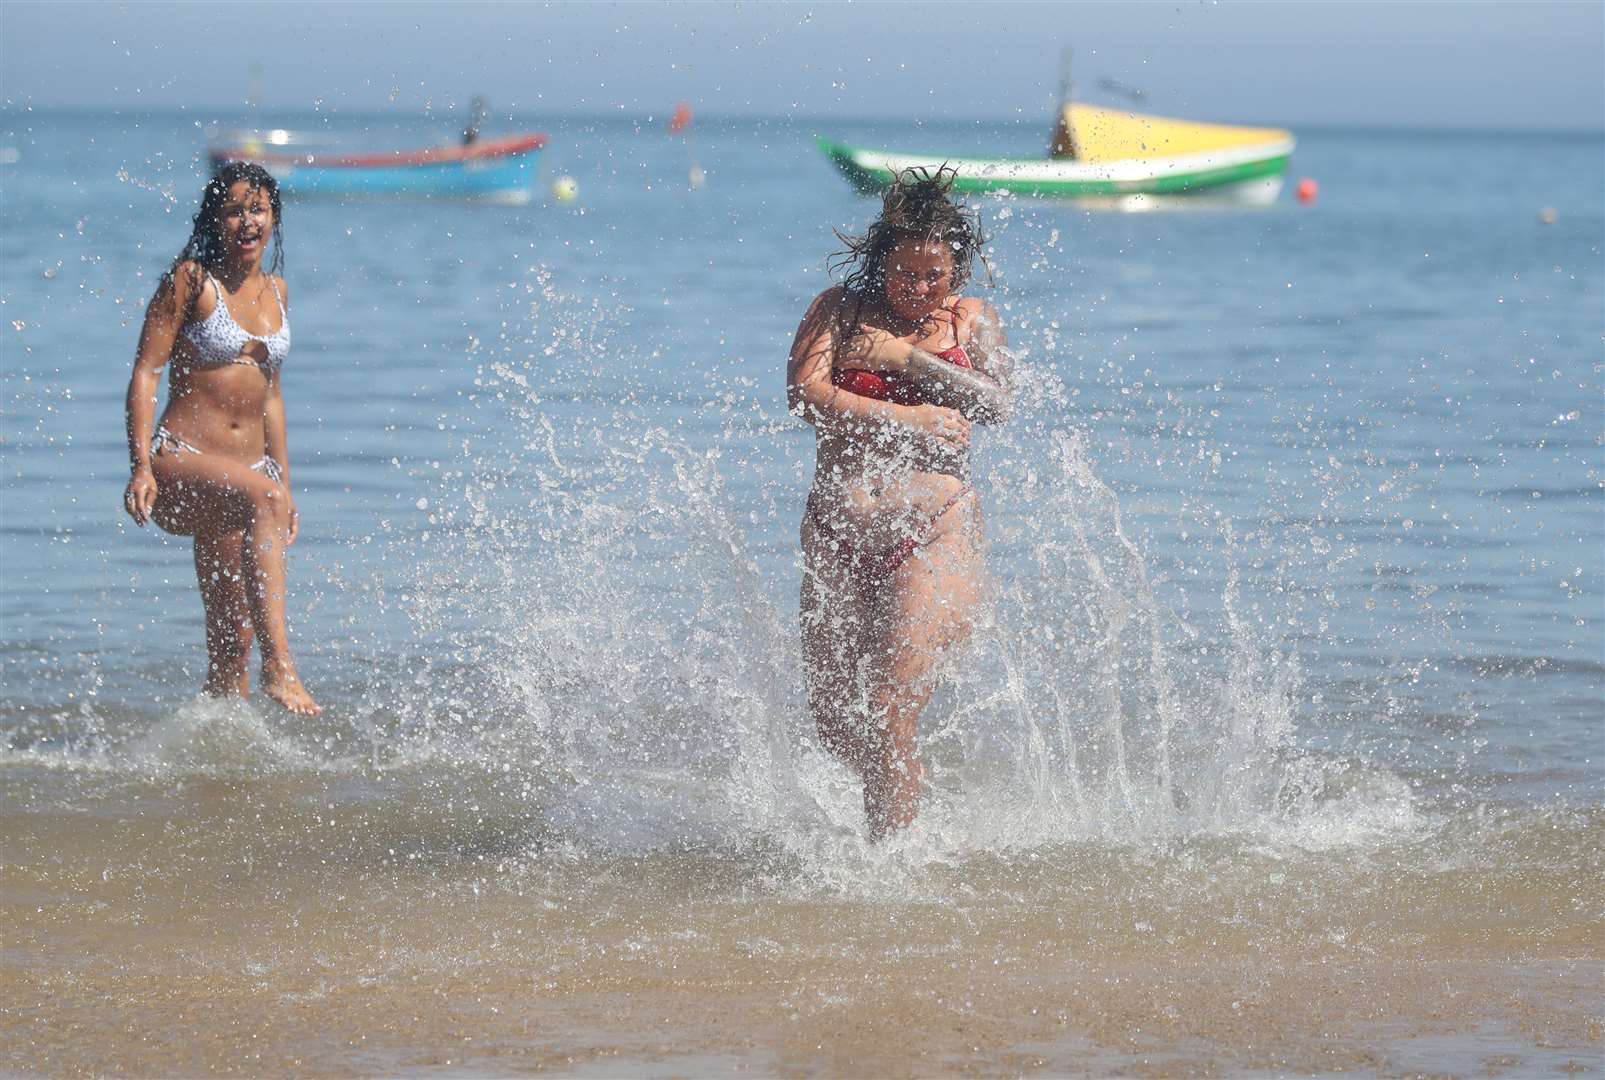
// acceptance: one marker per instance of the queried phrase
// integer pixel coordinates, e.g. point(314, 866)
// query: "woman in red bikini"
point(216, 466)
point(891, 367)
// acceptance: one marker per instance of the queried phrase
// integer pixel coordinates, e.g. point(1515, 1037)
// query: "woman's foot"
point(283, 685)
point(893, 802)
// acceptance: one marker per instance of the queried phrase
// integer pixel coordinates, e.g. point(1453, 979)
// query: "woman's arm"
point(982, 393)
point(277, 445)
point(988, 349)
point(974, 392)
point(811, 395)
point(275, 435)
point(163, 317)
point(275, 442)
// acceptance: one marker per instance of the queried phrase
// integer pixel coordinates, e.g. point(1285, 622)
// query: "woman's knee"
point(267, 517)
point(229, 639)
point(896, 704)
point(909, 668)
point(268, 503)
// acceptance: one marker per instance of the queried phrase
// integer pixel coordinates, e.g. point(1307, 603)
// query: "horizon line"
point(14, 108)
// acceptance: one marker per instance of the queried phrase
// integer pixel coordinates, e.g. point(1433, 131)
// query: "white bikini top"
point(218, 339)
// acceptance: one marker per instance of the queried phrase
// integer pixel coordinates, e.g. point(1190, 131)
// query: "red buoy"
point(1307, 190)
point(681, 118)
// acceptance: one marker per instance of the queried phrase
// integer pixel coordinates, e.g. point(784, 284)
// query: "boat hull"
point(504, 171)
point(1255, 170)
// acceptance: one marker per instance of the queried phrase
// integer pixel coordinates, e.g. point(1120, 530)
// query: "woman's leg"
point(932, 600)
point(221, 575)
point(837, 630)
point(199, 493)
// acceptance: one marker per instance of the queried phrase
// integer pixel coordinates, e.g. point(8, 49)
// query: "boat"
point(501, 170)
point(1115, 155)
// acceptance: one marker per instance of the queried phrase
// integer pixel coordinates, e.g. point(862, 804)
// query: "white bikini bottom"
point(166, 441)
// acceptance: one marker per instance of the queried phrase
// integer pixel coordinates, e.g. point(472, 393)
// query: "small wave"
point(221, 737)
point(209, 737)
point(1589, 492)
point(56, 759)
point(1527, 667)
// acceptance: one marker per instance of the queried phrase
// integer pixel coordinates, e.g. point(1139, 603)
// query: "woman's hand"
point(140, 495)
point(873, 349)
point(946, 427)
point(295, 520)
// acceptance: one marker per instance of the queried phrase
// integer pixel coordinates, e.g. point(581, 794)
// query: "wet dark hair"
point(203, 252)
point(920, 206)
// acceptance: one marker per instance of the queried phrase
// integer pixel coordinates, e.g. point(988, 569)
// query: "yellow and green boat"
point(1128, 158)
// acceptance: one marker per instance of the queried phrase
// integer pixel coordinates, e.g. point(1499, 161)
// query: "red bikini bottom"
point(872, 569)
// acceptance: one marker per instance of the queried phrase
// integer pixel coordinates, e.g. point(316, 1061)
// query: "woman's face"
point(919, 277)
point(245, 221)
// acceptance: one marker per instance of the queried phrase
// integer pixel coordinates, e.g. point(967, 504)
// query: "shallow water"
point(1278, 751)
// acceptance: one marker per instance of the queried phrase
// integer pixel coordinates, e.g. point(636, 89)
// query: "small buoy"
point(1548, 216)
point(681, 118)
point(1307, 190)
point(697, 176)
point(564, 189)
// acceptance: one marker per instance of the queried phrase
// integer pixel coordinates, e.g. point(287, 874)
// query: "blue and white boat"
point(501, 170)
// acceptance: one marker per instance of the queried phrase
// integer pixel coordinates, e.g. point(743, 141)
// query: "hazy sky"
point(1507, 65)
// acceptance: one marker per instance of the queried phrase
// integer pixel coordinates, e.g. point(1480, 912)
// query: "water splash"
point(603, 653)
point(630, 654)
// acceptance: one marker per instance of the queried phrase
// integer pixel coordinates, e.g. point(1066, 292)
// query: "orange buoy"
point(1307, 190)
point(681, 118)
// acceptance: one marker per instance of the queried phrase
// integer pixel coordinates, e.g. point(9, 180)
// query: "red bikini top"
point(891, 386)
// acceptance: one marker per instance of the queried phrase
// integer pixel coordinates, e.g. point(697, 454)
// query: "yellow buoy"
point(564, 189)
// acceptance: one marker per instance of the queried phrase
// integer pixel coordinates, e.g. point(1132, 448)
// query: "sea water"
point(1277, 746)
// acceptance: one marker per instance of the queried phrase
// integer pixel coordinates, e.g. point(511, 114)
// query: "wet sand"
point(217, 933)
point(732, 1004)
point(746, 1015)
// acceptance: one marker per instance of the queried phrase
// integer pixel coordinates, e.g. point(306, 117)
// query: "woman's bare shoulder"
point(815, 332)
point(824, 310)
point(185, 275)
point(829, 301)
point(179, 288)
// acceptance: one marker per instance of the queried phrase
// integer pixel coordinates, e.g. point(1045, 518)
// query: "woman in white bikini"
point(217, 467)
point(891, 367)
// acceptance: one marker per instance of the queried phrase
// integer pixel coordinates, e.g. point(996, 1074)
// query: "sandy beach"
point(214, 939)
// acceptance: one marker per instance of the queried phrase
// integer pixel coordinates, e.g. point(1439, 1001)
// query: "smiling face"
point(245, 222)
point(919, 277)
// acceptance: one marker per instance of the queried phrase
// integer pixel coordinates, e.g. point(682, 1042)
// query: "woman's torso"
point(222, 365)
point(890, 484)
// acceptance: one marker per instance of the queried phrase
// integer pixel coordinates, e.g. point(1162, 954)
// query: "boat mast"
point(1064, 137)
